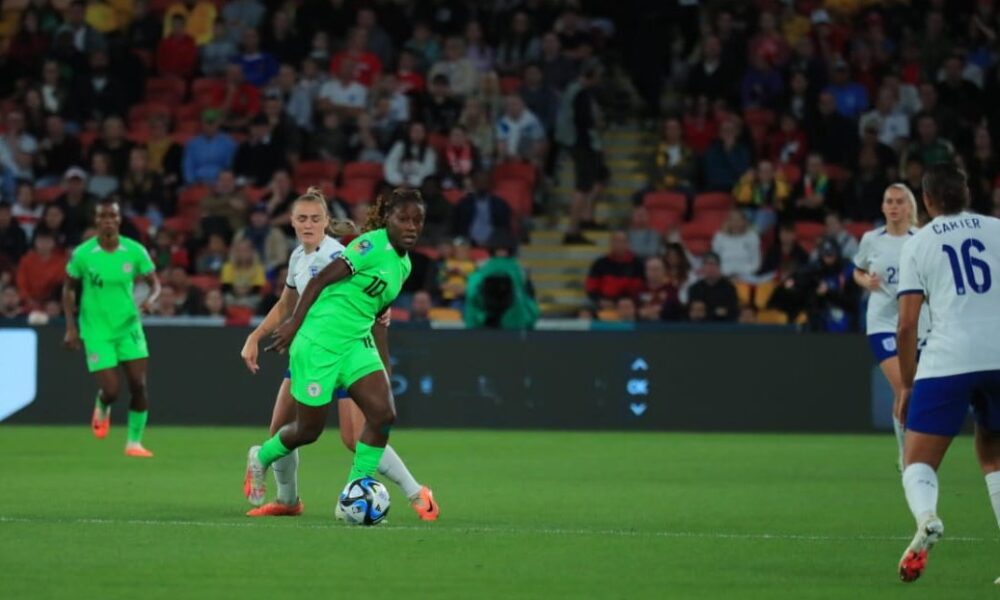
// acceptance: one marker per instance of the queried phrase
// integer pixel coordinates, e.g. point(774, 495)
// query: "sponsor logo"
point(364, 247)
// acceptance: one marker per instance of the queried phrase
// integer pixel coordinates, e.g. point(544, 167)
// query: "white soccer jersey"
point(302, 267)
point(878, 253)
point(952, 261)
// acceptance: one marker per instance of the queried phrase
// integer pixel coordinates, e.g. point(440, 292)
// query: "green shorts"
point(108, 353)
point(319, 371)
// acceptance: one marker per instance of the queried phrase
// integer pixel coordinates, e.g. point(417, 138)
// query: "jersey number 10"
point(376, 287)
point(976, 270)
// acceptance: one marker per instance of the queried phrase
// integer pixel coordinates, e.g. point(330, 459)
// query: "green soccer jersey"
point(107, 308)
point(347, 309)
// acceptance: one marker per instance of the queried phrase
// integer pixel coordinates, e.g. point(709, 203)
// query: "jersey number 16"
point(976, 270)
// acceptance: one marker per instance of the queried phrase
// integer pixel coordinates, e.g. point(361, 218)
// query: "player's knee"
point(307, 433)
point(382, 418)
point(109, 395)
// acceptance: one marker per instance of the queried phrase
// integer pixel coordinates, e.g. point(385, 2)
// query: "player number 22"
point(976, 270)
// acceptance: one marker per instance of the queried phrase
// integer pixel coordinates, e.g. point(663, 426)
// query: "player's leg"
point(421, 497)
point(372, 394)
point(890, 368)
point(107, 394)
point(138, 413)
point(986, 409)
point(286, 469)
point(938, 407)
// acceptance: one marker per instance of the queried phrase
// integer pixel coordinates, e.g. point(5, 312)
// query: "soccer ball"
point(364, 501)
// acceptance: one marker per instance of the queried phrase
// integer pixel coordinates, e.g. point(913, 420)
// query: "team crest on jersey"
point(93, 358)
point(314, 389)
point(889, 344)
point(313, 270)
point(127, 267)
point(364, 247)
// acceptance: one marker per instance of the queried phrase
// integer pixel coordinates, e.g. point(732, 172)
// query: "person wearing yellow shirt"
point(199, 16)
point(242, 276)
point(102, 17)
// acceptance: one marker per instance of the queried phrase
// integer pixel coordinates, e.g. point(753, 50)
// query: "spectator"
point(114, 145)
point(829, 290)
point(41, 272)
point(541, 99)
point(712, 77)
point(679, 269)
point(26, 212)
point(520, 135)
point(738, 248)
point(58, 151)
point(364, 144)
point(800, 99)
point(329, 140)
point(440, 110)
point(411, 81)
point(834, 231)
point(459, 160)
point(285, 134)
point(578, 127)
point(811, 193)
point(279, 200)
point(482, 214)
point(77, 203)
point(208, 153)
point(863, 201)
point(199, 16)
point(242, 276)
point(762, 86)
point(949, 123)
point(281, 41)
point(420, 307)
point(258, 67)
point(715, 292)
point(786, 257)
point(700, 125)
point(983, 167)
point(573, 36)
point(893, 127)
point(219, 53)
point(456, 66)
point(929, 147)
point(145, 30)
point(177, 53)
point(29, 45)
point(166, 303)
point(959, 95)
point(10, 304)
point(626, 310)
point(166, 156)
point(659, 299)
point(15, 139)
point(223, 207)
point(99, 94)
point(481, 131)
point(490, 94)
point(237, 100)
point(297, 99)
point(788, 145)
point(85, 38)
point(850, 97)
point(259, 157)
point(411, 160)
point(451, 272)
point(167, 253)
point(727, 158)
point(768, 42)
point(379, 42)
point(762, 194)
point(343, 94)
point(424, 44)
point(266, 239)
point(519, 47)
point(215, 304)
point(642, 238)
point(558, 71)
point(499, 292)
point(142, 190)
point(367, 66)
point(615, 275)
point(697, 312)
point(34, 112)
point(886, 157)
point(673, 166)
point(478, 51)
point(833, 135)
point(240, 15)
point(101, 183)
point(213, 256)
point(13, 241)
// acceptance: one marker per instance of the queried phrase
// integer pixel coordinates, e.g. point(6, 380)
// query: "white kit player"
point(877, 270)
point(950, 263)
point(311, 221)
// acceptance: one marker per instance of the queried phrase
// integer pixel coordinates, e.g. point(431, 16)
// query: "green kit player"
point(106, 266)
point(333, 348)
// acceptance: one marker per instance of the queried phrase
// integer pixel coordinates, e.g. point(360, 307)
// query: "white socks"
point(393, 468)
point(920, 483)
point(993, 486)
point(900, 430)
point(286, 471)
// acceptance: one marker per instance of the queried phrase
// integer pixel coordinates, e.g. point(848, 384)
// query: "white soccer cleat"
point(338, 511)
point(914, 559)
point(254, 483)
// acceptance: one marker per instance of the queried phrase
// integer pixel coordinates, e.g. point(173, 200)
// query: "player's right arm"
point(72, 338)
point(337, 270)
point(862, 262)
point(278, 313)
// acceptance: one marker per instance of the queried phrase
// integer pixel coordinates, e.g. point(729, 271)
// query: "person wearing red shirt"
point(238, 100)
point(367, 66)
point(41, 272)
point(177, 54)
point(616, 275)
point(660, 297)
point(788, 145)
point(408, 73)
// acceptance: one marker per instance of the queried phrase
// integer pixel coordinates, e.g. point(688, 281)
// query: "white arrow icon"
point(637, 408)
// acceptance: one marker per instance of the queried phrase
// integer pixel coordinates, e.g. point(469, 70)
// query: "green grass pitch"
point(524, 515)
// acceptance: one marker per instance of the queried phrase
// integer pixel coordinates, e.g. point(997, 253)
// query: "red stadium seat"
point(668, 201)
point(791, 172)
point(428, 251)
point(255, 194)
point(191, 196)
point(516, 170)
point(517, 194)
point(438, 141)
point(178, 225)
point(204, 88)
point(712, 201)
point(188, 112)
point(45, 195)
point(697, 236)
point(858, 229)
point(315, 172)
point(808, 234)
point(139, 114)
point(205, 282)
point(168, 90)
point(754, 117)
point(238, 316)
point(510, 84)
point(356, 191)
point(453, 195)
point(144, 226)
point(663, 220)
point(86, 137)
point(363, 170)
point(401, 315)
point(837, 173)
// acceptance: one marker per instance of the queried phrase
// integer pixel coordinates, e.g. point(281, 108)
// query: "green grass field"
point(524, 515)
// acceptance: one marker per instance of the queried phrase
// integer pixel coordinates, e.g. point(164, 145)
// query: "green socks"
point(136, 425)
point(366, 460)
point(272, 450)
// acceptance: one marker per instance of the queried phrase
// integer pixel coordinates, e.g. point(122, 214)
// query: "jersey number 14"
point(974, 270)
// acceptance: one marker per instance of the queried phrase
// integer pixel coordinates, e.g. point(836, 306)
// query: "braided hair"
point(386, 202)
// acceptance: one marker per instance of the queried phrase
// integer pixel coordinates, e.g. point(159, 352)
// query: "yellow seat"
point(772, 317)
point(744, 292)
point(763, 293)
point(450, 315)
point(608, 314)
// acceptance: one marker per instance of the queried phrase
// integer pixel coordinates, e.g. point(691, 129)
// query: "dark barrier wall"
point(707, 381)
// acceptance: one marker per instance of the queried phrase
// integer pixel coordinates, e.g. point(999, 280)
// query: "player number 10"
point(976, 270)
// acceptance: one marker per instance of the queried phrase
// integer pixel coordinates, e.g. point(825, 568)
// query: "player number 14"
point(976, 270)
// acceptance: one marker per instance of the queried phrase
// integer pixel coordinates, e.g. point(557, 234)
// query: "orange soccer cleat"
point(137, 451)
point(914, 560)
point(425, 506)
point(100, 423)
point(277, 509)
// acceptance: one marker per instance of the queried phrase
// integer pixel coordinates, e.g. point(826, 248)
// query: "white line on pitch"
point(256, 524)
